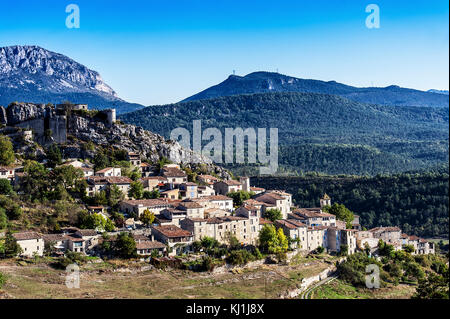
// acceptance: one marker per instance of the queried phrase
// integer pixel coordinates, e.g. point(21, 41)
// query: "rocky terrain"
point(75, 129)
point(31, 73)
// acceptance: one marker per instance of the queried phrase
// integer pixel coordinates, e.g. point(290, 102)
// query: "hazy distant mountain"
point(33, 74)
point(263, 82)
point(438, 91)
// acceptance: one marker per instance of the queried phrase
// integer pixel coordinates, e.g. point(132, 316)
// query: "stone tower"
point(245, 183)
point(325, 201)
point(111, 116)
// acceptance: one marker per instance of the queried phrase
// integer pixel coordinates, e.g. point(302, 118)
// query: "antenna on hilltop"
point(234, 72)
point(277, 70)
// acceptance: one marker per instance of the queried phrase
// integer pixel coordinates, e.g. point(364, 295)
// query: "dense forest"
point(416, 202)
point(319, 132)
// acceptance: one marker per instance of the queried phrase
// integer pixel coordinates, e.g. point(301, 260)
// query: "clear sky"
point(156, 52)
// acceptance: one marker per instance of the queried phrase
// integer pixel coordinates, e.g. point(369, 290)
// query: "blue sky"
point(156, 52)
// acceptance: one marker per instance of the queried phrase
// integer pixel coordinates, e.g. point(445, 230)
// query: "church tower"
point(325, 201)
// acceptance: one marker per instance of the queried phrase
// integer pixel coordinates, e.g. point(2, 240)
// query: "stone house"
point(216, 201)
point(134, 159)
point(31, 243)
point(188, 190)
point(227, 186)
point(137, 207)
point(204, 191)
point(179, 240)
point(152, 182)
point(295, 230)
point(274, 201)
point(147, 247)
point(109, 171)
point(174, 175)
point(207, 179)
point(7, 173)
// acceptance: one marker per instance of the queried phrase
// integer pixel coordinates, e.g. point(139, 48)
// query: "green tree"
point(341, 212)
point(433, 286)
point(273, 214)
point(147, 217)
point(5, 187)
point(115, 195)
point(67, 175)
point(54, 155)
point(2, 280)
point(101, 161)
point(10, 247)
point(7, 156)
point(3, 219)
point(151, 195)
point(239, 197)
point(272, 240)
point(95, 221)
point(136, 190)
point(35, 182)
point(125, 246)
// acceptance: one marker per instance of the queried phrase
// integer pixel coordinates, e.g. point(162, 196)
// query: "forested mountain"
point(263, 82)
point(416, 202)
point(319, 132)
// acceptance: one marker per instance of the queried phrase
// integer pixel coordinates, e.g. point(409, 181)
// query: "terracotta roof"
point(253, 202)
point(296, 223)
point(105, 170)
point(88, 232)
point(158, 178)
point(325, 196)
point(385, 229)
point(54, 237)
point(172, 231)
point(263, 221)
point(27, 235)
point(147, 244)
point(147, 202)
point(189, 204)
point(231, 182)
point(206, 177)
point(286, 224)
point(268, 198)
point(118, 180)
point(173, 172)
point(257, 189)
point(217, 197)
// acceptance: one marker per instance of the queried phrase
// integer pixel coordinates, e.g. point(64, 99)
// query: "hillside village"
point(168, 207)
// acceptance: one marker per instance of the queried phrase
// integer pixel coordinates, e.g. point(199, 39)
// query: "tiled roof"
point(173, 172)
point(190, 205)
point(206, 177)
point(385, 229)
point(231, 182)
point(27, 235)
point(118, 180)
point(257, 189)
point(172, 231)
point(147, 244)
point(105, 170)
point(147, 202)
point(157, 178)
point(263, 221)
point(217, 197)
point(88, 232)
point(253, 202)
point(54, 237)
point(268, 198)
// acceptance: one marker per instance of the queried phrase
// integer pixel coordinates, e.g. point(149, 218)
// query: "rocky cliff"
point(74, 129)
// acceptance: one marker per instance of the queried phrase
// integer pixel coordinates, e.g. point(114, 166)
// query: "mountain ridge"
point(32, 73)
point(265, 82)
